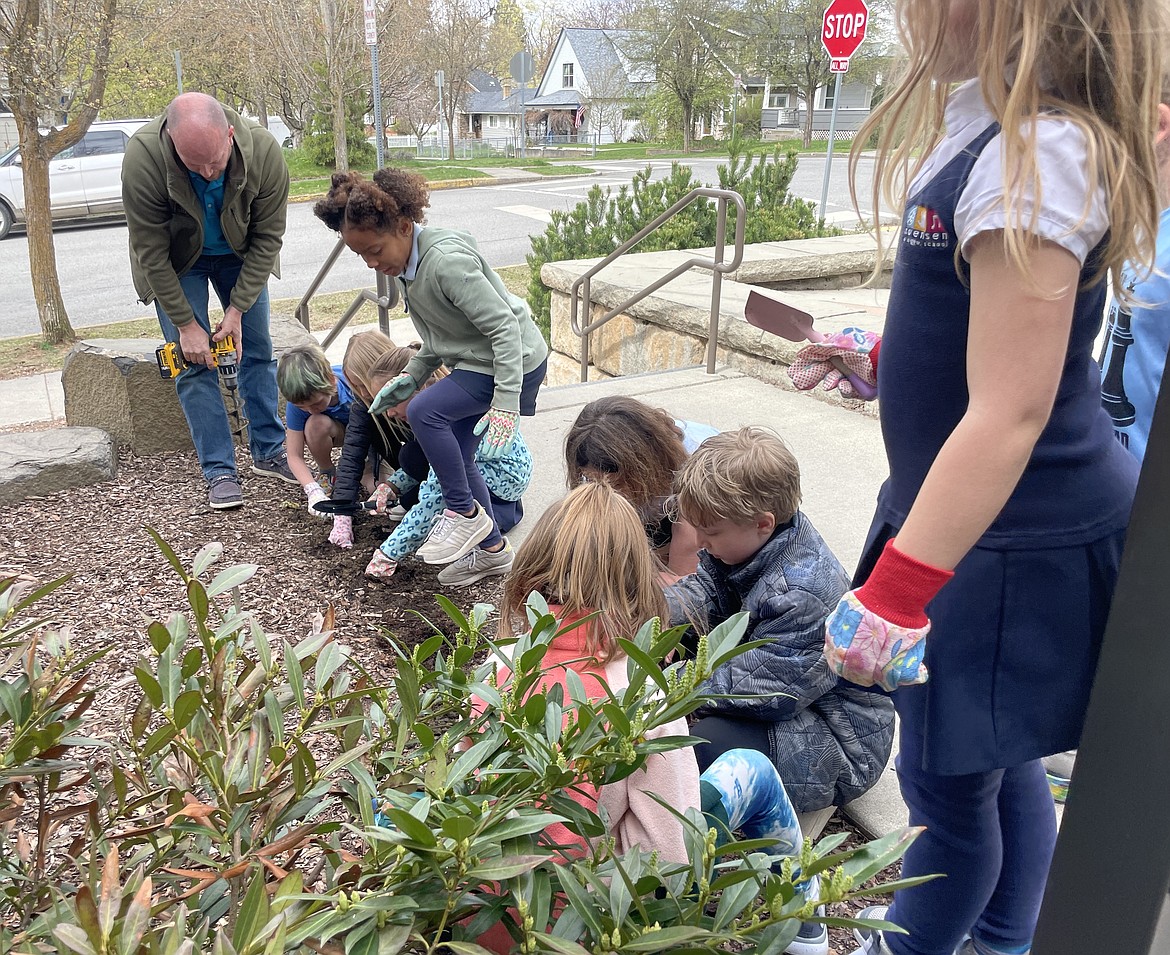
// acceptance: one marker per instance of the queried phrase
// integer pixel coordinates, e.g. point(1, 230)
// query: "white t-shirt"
point(1065, 217)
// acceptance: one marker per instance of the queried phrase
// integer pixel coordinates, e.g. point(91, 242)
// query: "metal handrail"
point(385, 296)
point(717, 266)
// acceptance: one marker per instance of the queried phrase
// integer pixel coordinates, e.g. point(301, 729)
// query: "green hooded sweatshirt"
point(165, 219)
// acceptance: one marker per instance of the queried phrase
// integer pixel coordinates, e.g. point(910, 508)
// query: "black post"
point(1109, 881)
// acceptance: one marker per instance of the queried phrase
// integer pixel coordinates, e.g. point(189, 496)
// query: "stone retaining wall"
point(669, 329)
point(114, 384)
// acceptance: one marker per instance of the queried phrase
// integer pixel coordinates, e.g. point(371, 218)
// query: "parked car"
point(85, 181)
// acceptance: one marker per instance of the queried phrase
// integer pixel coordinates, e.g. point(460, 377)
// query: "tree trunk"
point(42, 257)
point(340, 146)
point(451, 132)
point(688, 118)
point(810, 98)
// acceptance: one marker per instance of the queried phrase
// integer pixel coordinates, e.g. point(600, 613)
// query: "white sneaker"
point(453, 535)
point(476, 564)
point(870, 942)
point(396, 514)
point(813, 938)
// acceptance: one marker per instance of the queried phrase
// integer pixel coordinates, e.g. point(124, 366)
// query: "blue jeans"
point(991, 834)
point(742, 792)
point(198, 386)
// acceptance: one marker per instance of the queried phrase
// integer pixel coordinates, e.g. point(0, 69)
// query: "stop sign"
point(843, 29)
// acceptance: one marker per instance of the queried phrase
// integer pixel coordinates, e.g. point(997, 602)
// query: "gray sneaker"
point(276, 467)
point(476, 564)
point(453, 535)
point(225, 493)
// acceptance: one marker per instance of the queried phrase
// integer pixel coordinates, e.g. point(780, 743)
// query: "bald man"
point(205, 194)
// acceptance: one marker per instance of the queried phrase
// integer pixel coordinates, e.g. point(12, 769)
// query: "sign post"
point(842, 31)
point(522, 66)
point(439, 78)
point(371, 15)
point(381, 282)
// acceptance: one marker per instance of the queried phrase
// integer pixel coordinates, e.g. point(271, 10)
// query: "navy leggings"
point(991, 834)
point(443, 417)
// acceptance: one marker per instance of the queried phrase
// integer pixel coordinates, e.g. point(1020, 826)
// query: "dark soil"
point(119, 581)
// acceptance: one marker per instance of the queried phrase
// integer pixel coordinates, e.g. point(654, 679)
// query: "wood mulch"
point(119, 581)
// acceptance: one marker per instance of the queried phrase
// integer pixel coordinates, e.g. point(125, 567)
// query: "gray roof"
point(604, 53)
point(482, 82)
point(561, 98)
point(494, 101)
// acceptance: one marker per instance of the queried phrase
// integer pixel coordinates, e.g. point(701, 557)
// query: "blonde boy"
point(829, 740)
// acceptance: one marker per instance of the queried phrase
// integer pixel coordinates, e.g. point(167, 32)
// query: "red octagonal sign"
point(842, 31)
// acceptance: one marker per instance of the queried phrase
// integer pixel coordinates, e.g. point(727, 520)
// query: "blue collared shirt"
point(210, 196)
point(412, 262)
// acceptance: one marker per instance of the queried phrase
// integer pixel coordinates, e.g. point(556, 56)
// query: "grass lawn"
point(31, 356)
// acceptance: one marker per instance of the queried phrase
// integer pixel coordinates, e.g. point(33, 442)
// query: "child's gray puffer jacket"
point(830, 739)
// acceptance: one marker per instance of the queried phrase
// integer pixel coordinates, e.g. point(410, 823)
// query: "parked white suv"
point(85, 181)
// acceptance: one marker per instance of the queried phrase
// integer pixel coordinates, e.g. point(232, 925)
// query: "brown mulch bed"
point(120, 581)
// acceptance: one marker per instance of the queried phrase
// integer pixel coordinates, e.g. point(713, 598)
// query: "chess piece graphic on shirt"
point(1113, 396)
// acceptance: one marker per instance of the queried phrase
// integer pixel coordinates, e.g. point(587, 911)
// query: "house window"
point(778, 99)
point(567, 76)
point(493, 121)
point(829, 96)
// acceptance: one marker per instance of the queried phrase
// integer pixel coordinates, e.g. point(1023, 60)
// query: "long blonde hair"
point(363, 353)
point(588, 553)
point(391, 364)
point(363, 350)
point(1095, 62)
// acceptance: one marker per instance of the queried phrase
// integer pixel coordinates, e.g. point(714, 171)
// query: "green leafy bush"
point(271, 797)
point(604, 220)
point(318, 143)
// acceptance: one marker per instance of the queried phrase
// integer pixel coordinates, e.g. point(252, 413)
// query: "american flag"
point(580, 117)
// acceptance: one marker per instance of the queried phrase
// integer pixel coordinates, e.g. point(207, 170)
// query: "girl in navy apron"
point(1003, 519)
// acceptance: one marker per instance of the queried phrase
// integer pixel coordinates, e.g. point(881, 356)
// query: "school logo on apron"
point(924, 229)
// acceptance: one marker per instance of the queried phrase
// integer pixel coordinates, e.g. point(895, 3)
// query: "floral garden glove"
point(342, 533)
point(857, 348)
point(501, 429)
point(394, 392)
point(381, 566)
point(383, 495)
point(316, 494)
point(877, 634)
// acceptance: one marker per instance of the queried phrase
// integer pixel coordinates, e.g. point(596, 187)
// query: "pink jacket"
point(635, 819)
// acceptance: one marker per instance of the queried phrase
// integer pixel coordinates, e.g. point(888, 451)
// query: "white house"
point(490, 110)
point(590, 87)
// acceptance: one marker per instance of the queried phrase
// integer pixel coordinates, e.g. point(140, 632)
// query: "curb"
point(471, 183)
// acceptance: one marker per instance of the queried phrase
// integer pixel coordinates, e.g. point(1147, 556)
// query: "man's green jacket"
point(166, 221)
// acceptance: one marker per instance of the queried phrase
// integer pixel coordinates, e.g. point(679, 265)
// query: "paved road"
point(95, 272)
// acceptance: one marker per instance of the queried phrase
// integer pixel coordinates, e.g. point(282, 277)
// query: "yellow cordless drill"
point(171, 362)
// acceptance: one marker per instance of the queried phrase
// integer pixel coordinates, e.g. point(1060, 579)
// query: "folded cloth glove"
point(857, 348)
point(394, 392)
point(381, 566)
point(384, 494)
point(342, 533)
point(501, 429)
point(877, 634)
point(316, 494)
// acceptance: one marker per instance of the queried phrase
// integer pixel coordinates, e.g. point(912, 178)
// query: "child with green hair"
point(318, 399)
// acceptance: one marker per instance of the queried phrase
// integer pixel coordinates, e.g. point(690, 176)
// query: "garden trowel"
point(791, 323)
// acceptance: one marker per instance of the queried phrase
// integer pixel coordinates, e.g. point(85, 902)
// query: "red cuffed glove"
point(876, 635)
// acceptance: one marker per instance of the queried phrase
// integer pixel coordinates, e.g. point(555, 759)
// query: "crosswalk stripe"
point(532, 212)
